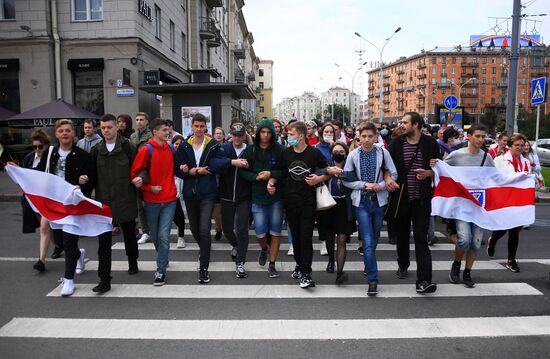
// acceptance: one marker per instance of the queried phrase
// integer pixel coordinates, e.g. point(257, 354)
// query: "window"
point(261, 97)
point(7, 10)
point(87, 10)
point(453, 90)
point(494, 60)
point(523, 81)
point(474, 91)
point(262, 109)
point(443, 91)
point(483, 80)
point(434, 81)
point(444, 60)
point(523, 91)
point(433, 70)
point(523, 101)
point(494, 80)
point(453, 60)
point(493, 91)
point(88, 90)
point(183, 46)
point(172, 36)
point(463, 59)
point(9, 85)
point(202, 54)
point(484, 60)
point(261, 72)
point(504, 60)
point(261, 85)
point(483, 70)
point(453, 70)
point(483, 91)
point(434, 60)
point(494, 70)
point(492, 100)
point(157, 22)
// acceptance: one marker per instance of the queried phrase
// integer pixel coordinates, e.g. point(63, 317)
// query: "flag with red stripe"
point(487, 196)
point(62, 203)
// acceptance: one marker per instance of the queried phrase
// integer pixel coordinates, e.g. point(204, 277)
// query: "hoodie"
point(263, 160)
point(88, 143)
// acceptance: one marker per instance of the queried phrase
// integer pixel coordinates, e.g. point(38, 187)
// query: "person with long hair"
point(219, 135)
point(124, 124)
point(179, 216)
point(534, 161)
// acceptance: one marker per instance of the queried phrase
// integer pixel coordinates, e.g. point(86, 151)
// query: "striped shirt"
point(413, 184)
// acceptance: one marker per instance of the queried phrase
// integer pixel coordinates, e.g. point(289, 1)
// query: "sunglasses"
point(39, 147)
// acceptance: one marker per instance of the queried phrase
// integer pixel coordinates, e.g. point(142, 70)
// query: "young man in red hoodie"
point(155, 161)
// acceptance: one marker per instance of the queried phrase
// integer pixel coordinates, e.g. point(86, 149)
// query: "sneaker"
point(373, 289)
point(181, 243)
point(234, 253)
point(341, 278)
point(360, 251)
point(262, 259)
point(144, 238)
point(467, 280)
point(323, 251)
point(272, 271)
point(132, 266)
point(330, 267)
point(307, 282)
point(454, 276)
point(203, 276)
point(218, 235)
point(513, 266)
point(103, 286)
point(290, 252)
point(241, 272)
point(297, 274)
point(68, 287)
point(80, 264)
point(432, 240)
point(39, 266)
point(490, 248)
point(57, 252)
point(402, 273)
point(425, 287)
point(160, 279)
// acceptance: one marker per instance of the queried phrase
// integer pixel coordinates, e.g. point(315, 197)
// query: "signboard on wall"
point(452, 117)
point(187, 113)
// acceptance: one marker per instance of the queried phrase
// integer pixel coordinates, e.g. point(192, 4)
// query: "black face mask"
point(338, 157)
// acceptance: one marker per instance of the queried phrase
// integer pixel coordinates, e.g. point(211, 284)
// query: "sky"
point(306, 38)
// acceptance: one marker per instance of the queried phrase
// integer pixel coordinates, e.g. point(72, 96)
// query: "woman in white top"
point(534, 162)
point(511, 161)
point(179, 216)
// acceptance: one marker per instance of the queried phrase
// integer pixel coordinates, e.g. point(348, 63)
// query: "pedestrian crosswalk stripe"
point(284, 247)
point(180, 266)
point(273, 291)
point(284, 232)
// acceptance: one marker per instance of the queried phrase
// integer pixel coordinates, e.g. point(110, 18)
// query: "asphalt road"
point(506, 316)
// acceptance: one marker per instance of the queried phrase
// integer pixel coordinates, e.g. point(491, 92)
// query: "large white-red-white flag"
point(491, 198)
point(62, 203)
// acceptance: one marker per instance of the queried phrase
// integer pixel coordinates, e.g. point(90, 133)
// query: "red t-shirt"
point(312, 141)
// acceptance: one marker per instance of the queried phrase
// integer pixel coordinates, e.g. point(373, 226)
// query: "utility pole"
point(514, 61)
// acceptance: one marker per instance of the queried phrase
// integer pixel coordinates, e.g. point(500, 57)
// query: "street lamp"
point(460, 89)
point(381, 52)
point(352, 82)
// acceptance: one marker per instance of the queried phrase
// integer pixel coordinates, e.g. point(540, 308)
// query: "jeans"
point(268, 218)
point(235, 225)
point(200, 221)
point(469, 236)
point(419, 213)
point(301, 219)
point(369, 216)
point(142, 217)
point(159, 218)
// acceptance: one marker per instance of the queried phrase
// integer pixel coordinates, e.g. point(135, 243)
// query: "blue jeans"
point(159, 218)
point(469, 236)
point(369, 216)
point(268, 218)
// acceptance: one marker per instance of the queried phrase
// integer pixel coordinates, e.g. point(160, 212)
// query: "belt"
point(369, 196)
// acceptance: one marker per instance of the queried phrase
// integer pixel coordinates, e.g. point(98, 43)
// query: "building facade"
point(264, 81)
point(304, 107)
point(344, 97)
point(477, 76)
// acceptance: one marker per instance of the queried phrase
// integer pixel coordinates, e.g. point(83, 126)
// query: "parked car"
point(543, 150)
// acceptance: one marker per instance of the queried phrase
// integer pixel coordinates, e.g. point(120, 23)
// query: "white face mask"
point(328, 139)
point(456, 142)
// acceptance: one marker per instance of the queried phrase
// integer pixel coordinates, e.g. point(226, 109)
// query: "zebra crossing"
point(258, 290)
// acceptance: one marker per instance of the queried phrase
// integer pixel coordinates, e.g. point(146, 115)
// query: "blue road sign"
point(450, 102)
point(538, 91)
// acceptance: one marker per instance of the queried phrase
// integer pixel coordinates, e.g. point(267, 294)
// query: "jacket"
point(505, 162)
point(352, 174)
point(30, 219)
point(263, 160)
point(233, 187)
point(111, 177)
point(161, 172)
point(88, 143)
point(198, 187)
point(325, 150)
point(78, 164)
point(139, 138)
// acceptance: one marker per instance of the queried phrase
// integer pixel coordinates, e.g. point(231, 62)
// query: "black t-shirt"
point(299, 166)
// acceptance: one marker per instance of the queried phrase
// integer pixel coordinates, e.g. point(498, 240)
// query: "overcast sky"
point(305, 38)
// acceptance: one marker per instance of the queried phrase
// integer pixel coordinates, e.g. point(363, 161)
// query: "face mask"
point(384, 132)
point(328, 139)
point(338, 157)
point(293, 141)
point(456, 142)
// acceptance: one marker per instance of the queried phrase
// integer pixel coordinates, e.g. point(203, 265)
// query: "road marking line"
point(272, 291)
point(284, 246)
point(276, 329)
point(284, 232)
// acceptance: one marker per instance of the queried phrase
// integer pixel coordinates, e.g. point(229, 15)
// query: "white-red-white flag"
point(491, 198)
point(62, 203)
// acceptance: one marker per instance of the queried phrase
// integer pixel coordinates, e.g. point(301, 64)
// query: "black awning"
point(9, 65)
point(86, 64)
point(167, 78)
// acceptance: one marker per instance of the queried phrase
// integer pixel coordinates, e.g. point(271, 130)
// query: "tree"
point(527, 126)
point(341, 113)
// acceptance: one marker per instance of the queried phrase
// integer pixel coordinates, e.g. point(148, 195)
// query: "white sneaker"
point(144, 238)
point(323, 250)
point(68, 287)
point(290, 251)
point(181, 243)
point(80, 265)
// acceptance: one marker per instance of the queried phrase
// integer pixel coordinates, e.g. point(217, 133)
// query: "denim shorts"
point(268, 218)
point(469, 236)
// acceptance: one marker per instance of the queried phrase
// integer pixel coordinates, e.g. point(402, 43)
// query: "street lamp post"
point(381, 82)
point(352, 83)
point(460, 89)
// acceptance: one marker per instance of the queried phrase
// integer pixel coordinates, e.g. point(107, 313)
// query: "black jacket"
point(30, 218)
point(78, 164)
point(232, 186)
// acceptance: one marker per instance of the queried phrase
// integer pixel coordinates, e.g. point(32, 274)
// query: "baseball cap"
point(237, 129)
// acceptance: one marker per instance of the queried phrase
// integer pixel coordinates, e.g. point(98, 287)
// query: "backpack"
point(144, 173)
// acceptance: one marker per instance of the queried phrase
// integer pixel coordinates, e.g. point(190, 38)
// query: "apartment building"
point(344, 97)
point(304, 107)
point(265, 89)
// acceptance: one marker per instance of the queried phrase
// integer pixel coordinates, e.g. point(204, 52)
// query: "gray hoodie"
point(88, 143)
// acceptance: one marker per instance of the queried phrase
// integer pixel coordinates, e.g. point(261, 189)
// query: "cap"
point(237, 129)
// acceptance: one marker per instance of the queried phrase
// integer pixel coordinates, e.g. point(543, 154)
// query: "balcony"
point(386, 101)
point(386, 109)
point(251, 76)
point(421, 86)
point(371, 88)
point(371, 96)
point(371, 81)
point(386, 75)
point(208, 29)
point(400, 81)
point(538, 72)
point(214, 3)
point(470, 84)
point(443, 84)
point(468, 74)
point(258, 89)
point(216, 41)
point(502, 84)
point(469, 95)
point(409, 88)
point(386, 92)
point(422, 76)
point(239, 51)
point(421, 66)
point(400, 108)
point(421, 105)
point(400, 99)
point(400, 89)
point(400, 72)
point(469, 64)
point(420, 95)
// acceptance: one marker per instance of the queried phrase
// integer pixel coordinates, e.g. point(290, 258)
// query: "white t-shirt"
point(110, 146)
point(62, 162)
point(239, 150)
point(35, 161)
point(198, 152)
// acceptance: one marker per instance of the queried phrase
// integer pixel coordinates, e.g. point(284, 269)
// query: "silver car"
point(543, 150)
